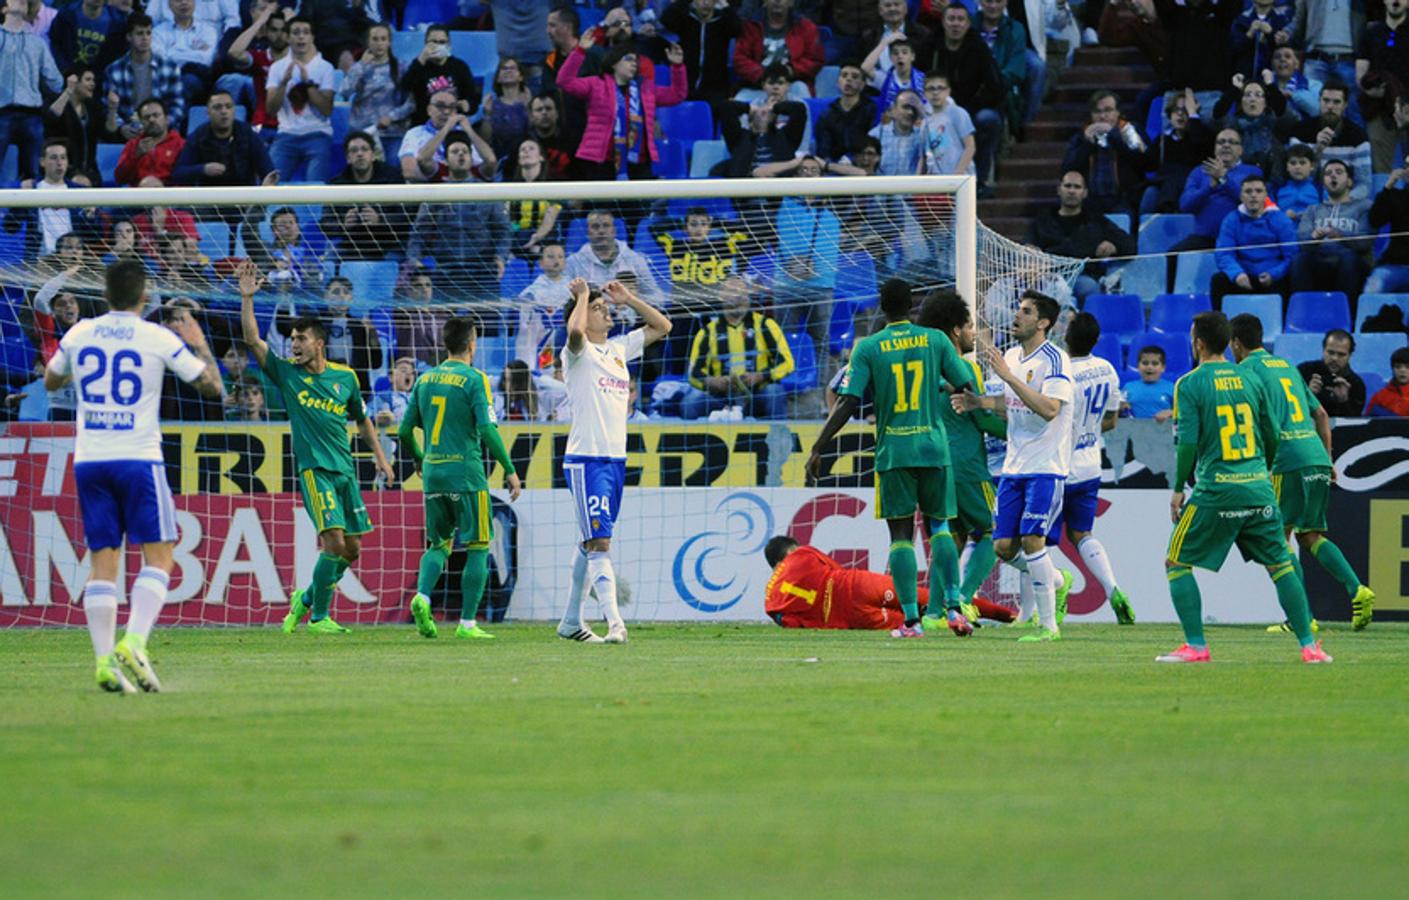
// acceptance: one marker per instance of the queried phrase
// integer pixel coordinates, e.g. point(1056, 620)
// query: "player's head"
point(308, 341)
point(599, 313)
point(1083, 331)
point(1247, 334)
point(777, 548)
point(896, 300)
point(1151, 363)
point(458, 335)
point(125, 284)
point(1036, 315)
point(944, 310)
point(1210, 335)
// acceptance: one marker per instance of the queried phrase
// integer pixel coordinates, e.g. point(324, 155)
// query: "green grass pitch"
point(707, 760)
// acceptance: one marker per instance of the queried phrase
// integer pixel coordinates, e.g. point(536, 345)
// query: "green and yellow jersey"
point(318, 407)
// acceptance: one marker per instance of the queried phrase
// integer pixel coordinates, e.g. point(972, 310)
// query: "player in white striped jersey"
point(118, 360)
point(1095, 389)
point(598, 391)
point(1038, 396)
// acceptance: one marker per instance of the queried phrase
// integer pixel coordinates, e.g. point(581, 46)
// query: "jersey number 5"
point(1297, 412)
point(907, 401)
point(1237, 420)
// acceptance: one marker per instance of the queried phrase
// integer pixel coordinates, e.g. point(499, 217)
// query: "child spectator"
point(248, 399)
point(901, 76)
point(1299, 191)
point(1152, 397)
point(1393, 398)
point(948, 133)
point(388, 406)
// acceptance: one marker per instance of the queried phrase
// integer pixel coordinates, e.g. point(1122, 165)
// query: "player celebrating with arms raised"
point(912, 450)
point(119, 360)
point(1225, 438)
point(319, 396)
point(598, 392)
point(453, 405)
point(1037, 394)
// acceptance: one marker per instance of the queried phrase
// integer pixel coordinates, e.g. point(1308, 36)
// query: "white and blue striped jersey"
point(117, 361)
point(1095, 387)
point(1035, 445)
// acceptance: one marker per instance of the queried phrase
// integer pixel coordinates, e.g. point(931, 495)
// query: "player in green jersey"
point(972, 526)
point(1225, 438)
point(319, 395)
point(1301, 474)
point(452, 406)
point(901, 364)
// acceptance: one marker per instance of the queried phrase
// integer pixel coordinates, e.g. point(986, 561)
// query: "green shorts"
point(1304, 495)
point(899, 492)
point(333, 501)
point(466, 513)
point(1203, 536)
point(973, 501)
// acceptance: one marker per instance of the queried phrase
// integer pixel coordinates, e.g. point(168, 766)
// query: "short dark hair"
point(216, 93)
point(125, 283)
point(311, 324)
point(569, 15)
point(944, 310)
point(850, 62)
point(616, 54)
point(1301, 151)
point(900, 42)
point(337, 279)
point(593, 292)
point(1152, 350)
point(1047, 308)
point(1083, 331)
point(138, 19)
point(1338, 162)
point(775, 72)
point(896, 299)
point(1339, 333)
point(778, 547)
point(1098, 95)
point(1334, 85)
point(457, 137)
point(150, 101)
point(1247, 330)
point(697, 211)
point(1212, 330)
point(458, 334)
point(1254, 177)
point(55, 142)
point(1399, 357)
point(300, 18)
point(358, 136)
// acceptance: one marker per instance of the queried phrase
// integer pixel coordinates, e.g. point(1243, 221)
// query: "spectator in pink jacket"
point(781, 37)
point(619, 141)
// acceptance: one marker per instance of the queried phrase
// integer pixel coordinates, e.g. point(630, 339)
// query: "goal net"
point(715, 464)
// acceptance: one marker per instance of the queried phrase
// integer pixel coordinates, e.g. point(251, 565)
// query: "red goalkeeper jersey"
point(809, 589)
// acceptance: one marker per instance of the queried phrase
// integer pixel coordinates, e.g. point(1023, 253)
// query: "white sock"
point(964, 555)
point(148, 597)
point(100, 607)
point(572, 616)
point(1044, 585)
point(1098, 562)
point(468, 623)
point(1018, 562)
point(603, 579)
point(1027, 598)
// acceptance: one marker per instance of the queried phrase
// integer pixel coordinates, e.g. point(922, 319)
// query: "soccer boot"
point(327, 626)
point(421, 612)
point(111, 679)
point(131, 651)
point(971, 613)
point(1120, 605)
point(1185, 654)
point(1041, 635)
point(1068, 579)
point(958, 623)
point(297, 610)
point(583, 635)
point(1362, 607)
point(1285, 627)
point(908, 631)
point(994, 611)
point(1312, 653)
point(616, 634)
point(473, 633)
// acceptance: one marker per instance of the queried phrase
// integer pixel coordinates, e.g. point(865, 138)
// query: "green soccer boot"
point(421, 612)
point(297, 611)
point(327, 626)
point(473, 633)
point(1120, 604)
point(131, 651)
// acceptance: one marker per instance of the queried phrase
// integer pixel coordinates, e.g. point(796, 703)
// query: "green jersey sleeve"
point(478, 399)
point(858, 373)
point(355, 407)
point(1186, 412)
point(956, 370)
point(412, 417)
point(279, 370)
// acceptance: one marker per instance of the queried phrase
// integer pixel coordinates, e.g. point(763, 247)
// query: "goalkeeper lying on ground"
point(809, 589)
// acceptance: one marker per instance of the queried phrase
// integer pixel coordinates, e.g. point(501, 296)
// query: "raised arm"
point(577, 322)
point(250, 283)
point(657, 325)
point(208, 383)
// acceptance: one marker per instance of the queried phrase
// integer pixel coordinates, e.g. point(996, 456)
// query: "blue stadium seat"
point(1108, 348)
point(1194, 271)
point(10, 165)
point(577, 233)
point(1174, 313)
point(517, 276)
point(1178, 357)
point(108, 155)
point(1370, 304)
point(1160, 232)
point(826, 83)
point(340, 119)
point(492, 353)
point(478, 49)
point(1120, 220)
point(719, 207)
point(1374, 381)
point(428, 12)
point(1267, 307)
point(18, 355)
point(856, 279)
point(406, 46)
point(196, 116)
point(687, 122)
point(1372, 350)
point(817, 107)
point(704, 156)
point(804, 374)
point(1154, 122)
point(842, 332)
point(1298, 348)
point(592, 16)
point(12, 245)
point(829, 44)
point(672, 160)
point(761, 269)
point(1317, 312)
point(214, 239)
point(1122, 316)
point(372, 282)
point(1144, 275)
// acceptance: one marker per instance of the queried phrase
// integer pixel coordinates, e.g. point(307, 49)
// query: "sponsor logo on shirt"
point(108, 420)
point(608, 383)
point(308, 401)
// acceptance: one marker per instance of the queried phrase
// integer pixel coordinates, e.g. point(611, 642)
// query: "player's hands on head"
point(515, 486)
point(184, 325)
point(578, 288)
point(616, 292)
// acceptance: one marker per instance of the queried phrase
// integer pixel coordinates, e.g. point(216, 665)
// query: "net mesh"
point(706, 492)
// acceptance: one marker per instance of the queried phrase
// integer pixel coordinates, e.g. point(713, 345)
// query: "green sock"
point(320, 589)
point(432, 564)
point(904, 571)
point(944, 560)
point(1333, 561)
point(472, 582)
point(1291, 593)
point(1296, 566)
point(981, 562)
point(1184, 591)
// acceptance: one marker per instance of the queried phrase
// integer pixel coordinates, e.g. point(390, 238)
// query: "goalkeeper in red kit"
point(809, 589)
